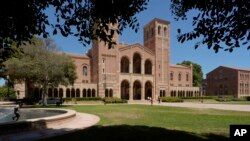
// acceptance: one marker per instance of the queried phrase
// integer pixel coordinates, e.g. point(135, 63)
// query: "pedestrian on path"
point(17, 115)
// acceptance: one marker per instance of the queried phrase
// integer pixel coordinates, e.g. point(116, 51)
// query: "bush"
point(67, 99)
point(247, 98)
point(171, 99)
point(4, 93)
point(203, 97)
point(228, 98)
point(88, 99)
point(113, 100)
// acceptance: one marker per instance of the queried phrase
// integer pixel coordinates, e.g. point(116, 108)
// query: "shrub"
point(202, 97)
point(171, 99)
point(247, 98)
point(4, 92)
point(113, 100)
point(227, 98)
point(82, 99)
point(88, 99)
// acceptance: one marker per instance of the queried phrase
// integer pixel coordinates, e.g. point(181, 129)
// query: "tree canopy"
point(41, 65)
point(85, 19)
point(221, 24)
point(197, 72)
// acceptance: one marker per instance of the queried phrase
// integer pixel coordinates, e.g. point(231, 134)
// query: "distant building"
point(132, 72)
point(228, 81)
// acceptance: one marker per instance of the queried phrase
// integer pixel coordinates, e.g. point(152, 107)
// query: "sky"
point(207, 58)
point(179, 52)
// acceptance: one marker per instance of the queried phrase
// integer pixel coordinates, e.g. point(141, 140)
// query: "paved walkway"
point(233, 107)
point(81, 121)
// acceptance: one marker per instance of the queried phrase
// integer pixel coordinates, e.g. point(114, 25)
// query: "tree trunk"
point(44, 95)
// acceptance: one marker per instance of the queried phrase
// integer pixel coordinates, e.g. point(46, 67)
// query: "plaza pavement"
point(83, 120)
point(80, 121)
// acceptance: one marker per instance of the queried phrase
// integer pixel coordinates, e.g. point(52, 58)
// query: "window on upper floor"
point(187, 77)
point(148, 67)
point(165, 31)
point(159, 30)
point(85, 70)
point(179, 76)
point(171, 75)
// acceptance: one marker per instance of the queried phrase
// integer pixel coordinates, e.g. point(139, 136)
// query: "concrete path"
point(233, 107)
point(81, 121)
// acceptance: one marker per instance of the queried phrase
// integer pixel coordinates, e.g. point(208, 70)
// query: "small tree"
point(197, 72)
point(41, 64)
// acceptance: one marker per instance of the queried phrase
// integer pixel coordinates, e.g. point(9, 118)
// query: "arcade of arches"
point(68, 93)
point(137, 65)
point(187, 93)
point(136, 90)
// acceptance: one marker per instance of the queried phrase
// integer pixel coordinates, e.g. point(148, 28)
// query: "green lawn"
point(145, 122)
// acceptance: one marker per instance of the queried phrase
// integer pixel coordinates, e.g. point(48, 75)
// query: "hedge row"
point(82, 99)
point(171, 99)
point(114, 100)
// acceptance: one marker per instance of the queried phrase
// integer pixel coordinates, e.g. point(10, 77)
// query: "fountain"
point(31, 118)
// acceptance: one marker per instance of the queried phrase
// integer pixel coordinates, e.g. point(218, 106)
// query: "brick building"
point(228, 81)
point(132, 72)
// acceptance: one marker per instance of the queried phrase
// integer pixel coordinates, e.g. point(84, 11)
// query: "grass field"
point(145, 122)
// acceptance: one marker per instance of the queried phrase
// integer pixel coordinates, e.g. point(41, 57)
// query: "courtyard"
point(164, 121)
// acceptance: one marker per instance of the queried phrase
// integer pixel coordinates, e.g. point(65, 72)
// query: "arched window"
point(137, 63)
point(148, 67)
point(179, 77)
point(187, 77)
point(165, 31)
point(171, 75)
point(124, 65)
point(85, 70)
point(159, 30)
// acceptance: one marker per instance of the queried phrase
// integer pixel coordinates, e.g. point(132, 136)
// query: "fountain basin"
point(36, 122)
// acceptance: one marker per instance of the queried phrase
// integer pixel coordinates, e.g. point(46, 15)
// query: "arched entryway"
point(77, 92)
point(68, 92)
point(84, 93)
point(60, 92)
point(73, 92)
point(125, 90)
point(93, 92)
point(148, 90)
point(50, 92)
point(137, 90)
point(55, 92)
point(124, 65)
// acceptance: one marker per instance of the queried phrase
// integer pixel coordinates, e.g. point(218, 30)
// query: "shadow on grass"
point(136, 133)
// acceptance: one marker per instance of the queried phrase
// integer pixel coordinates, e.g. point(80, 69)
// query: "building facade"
point(132, 72)
point(228, 81)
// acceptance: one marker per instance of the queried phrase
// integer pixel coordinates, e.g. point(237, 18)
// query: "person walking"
point(17, 115)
